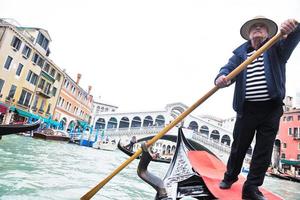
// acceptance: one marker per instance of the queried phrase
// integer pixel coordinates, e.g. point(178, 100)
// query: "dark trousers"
point(262, 120)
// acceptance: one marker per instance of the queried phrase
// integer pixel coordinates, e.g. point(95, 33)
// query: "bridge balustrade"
point(133, 131)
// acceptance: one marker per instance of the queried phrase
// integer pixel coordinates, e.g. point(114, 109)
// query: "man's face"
point(258, 31)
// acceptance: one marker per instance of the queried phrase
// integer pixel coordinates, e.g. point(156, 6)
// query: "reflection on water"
point(37, 169)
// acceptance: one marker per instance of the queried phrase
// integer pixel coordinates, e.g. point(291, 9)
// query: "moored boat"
point(110, 145)
point(6, 129)
point(192, 173)
point(284, 176)
point(49, 134)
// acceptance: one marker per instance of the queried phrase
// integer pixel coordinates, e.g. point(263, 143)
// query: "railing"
point(130, 131)
point(212, 143)
point(216, 145)
point(296, 136)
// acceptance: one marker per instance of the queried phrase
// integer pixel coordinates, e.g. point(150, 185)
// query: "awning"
point(83, 124)
point(25, 113)
point(3, 108)
point(53, 122)
point(290, 162)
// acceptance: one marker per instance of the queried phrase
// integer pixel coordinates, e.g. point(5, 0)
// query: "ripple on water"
point(33, 169)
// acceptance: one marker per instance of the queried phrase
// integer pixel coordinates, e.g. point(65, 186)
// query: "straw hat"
point(271, 25)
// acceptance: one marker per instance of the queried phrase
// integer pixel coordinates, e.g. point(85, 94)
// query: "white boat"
point(109, 145)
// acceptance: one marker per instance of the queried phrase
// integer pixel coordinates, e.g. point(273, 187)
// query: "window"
point(284, 145)
point(290, 131)
point(72, 89)
point(298, 156)
point(40, 62)
point(19, 70)
point(12, 91)
point(26, 52)
point(52, 73)
point(41, 84)
point(58, 76)
point(296, 132)
point(54, 90)
point(290, 118)
point(48, 108)
point(46, 67)
point(35, 58)
point(1, 84)
point(8, 62)
point(25, 98)
point(16, 43)
point(32, 77)
point(42, 41)
point(47, 88)
point(42, 106)
point(34, 107)
point(66, 84)
point(283, 155)
point(62, 102)
point(298, 117)
point(59, 100)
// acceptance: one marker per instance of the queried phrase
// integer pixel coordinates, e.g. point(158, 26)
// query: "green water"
point(36, 169)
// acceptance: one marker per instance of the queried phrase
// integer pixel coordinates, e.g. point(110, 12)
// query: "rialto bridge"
point(141, 124)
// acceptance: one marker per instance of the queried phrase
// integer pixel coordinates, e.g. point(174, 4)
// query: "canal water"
point(44, 170)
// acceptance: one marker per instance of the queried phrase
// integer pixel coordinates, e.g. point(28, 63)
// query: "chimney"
point(78, 78)
point(89, 89)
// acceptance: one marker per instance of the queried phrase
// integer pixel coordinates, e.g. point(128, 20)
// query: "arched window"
point(226, 140)
point(124, 123)
point(112, 123)
point(100, 124)
point(215, 135)
point(193, 126)
point(148, 121)
point(136, 122)
point(160, 120)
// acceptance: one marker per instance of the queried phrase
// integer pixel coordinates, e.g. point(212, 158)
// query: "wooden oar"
point(230, 76)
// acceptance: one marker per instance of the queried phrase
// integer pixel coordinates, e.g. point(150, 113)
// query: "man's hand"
point(288, 26)
point(222, 81)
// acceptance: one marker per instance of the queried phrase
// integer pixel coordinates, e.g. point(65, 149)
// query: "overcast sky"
point(141, 55)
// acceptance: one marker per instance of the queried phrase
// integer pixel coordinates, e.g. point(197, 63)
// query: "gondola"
point(285, 177)
point(6, 129)
point(192, 173)
point(173, 138)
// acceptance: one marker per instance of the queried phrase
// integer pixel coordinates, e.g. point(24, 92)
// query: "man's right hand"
point(222, 81)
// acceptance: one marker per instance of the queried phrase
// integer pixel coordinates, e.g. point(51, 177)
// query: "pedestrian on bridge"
point(258, 99)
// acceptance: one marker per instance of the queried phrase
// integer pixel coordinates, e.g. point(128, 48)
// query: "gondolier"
point(258, 98)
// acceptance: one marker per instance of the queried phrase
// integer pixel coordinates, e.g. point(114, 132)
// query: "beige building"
point(29, 81)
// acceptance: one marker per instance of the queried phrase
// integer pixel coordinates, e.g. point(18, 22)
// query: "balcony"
point(43, 93)
point(48, 76)
point(296, 136)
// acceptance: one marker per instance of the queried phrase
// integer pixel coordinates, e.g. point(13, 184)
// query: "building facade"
point(74, 106)
point(29, 80)
point(288, 140)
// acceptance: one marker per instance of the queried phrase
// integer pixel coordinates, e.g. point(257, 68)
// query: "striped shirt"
point(256, 84)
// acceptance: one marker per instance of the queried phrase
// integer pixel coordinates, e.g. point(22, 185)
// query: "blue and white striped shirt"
point(256, 84)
